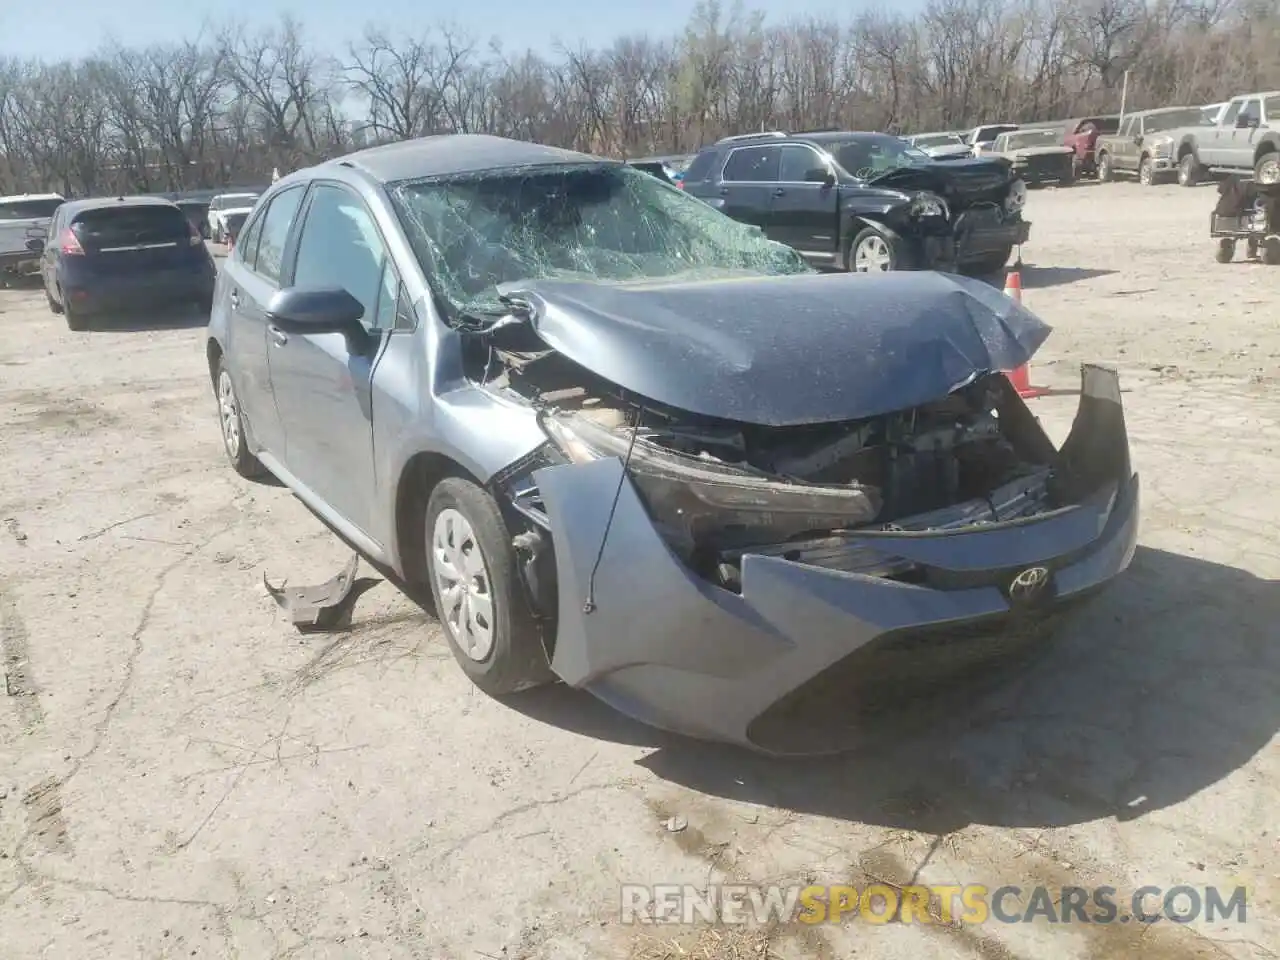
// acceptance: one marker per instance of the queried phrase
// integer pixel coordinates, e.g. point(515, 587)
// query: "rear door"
point(748, 181)
point(322, 383)
point(251, 274)
point(1214, 144)
point(22, 220)
point(804, 213)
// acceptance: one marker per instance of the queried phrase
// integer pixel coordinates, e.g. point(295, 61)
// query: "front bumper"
point(675, 651)
point(973, 240)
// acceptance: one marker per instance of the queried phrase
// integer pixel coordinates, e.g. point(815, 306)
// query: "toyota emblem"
point(1028, 584)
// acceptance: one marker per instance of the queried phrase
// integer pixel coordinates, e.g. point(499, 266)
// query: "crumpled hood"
point(781, 351)
point(954, 179)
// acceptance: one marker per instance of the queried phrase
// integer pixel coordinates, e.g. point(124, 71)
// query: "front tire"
point(1188, 171)
point(478, 596)
point(873, 252)
point(1147, 172)
point(235, 442)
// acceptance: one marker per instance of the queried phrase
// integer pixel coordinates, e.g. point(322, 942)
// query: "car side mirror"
point(820, 175)
point(35, 245)
point(1244, 123)
point(319, 310)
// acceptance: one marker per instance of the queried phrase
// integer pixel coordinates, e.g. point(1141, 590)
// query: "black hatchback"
point(122, 253)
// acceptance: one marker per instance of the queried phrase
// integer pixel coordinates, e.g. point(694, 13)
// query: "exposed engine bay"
point(715, 488)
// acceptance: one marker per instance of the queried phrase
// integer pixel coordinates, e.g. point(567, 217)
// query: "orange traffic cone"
point(1021, 377)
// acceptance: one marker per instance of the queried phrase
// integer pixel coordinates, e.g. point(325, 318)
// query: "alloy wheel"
point(1269, 170)
point(872, 255)
point(464, 584)
point(1144, 173)
point(229, 410)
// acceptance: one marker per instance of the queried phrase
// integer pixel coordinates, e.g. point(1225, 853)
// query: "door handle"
point(779, 192)
point(724, 191)
point(235, 299)
point(278, 335)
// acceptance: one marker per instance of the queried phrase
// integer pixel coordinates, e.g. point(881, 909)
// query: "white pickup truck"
point(22, 218)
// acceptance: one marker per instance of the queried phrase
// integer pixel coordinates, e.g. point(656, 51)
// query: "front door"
point(1244, 139)
point(805, 210)
point(323, 382)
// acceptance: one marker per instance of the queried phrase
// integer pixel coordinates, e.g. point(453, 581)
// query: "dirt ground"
point(183, 774)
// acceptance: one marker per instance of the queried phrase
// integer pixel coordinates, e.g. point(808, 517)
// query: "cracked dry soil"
point(182, 774)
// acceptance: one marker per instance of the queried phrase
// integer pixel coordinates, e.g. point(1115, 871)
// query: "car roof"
point(104, 203)
point(1156, 111)
point(452, 153)
point(1251, 96)
point(21, 197)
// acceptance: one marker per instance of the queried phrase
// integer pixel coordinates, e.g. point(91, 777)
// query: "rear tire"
point(1226, 250)
point(1267, 169)
point(1271, 251)
point(76, 320)
point(54, 306)
point(1106, 173)
point(235, 443)
point(478, 595)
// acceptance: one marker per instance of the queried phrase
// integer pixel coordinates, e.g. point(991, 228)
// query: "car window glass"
point(247, 245)
point(1232, 110)
point(753, 164)
point(275, 231)
point(700, 169)
point(796, 162)
point(1252, 110)
point(340, 246)
point(384, 317)
point(406, 319)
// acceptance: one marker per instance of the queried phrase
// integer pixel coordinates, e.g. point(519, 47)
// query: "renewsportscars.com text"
point(971, 904)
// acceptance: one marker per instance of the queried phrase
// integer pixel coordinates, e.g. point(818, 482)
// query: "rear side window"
point(268, 257)
point(753, 164)
point(700, 169)
point(130, 226)
point(28, 209)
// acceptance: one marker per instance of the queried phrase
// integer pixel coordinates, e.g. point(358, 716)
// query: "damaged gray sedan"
point(634, 444)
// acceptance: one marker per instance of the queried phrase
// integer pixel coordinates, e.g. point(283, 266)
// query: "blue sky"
point(77, 27)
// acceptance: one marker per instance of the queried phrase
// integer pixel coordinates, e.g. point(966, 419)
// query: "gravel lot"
point(183, 774)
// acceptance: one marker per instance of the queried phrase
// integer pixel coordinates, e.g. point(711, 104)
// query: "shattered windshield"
point(606, 222)
point(869, 157)
point(1191, 117)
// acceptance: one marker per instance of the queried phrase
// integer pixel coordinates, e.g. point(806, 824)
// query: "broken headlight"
point(929, 205)
point(704, 504)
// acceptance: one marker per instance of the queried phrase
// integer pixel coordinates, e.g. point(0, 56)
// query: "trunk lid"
point(135, 239)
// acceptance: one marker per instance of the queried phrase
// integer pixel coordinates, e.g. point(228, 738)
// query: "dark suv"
point(866, 201)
